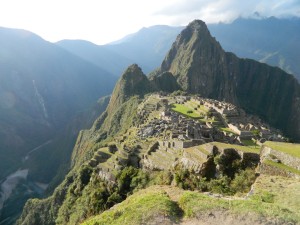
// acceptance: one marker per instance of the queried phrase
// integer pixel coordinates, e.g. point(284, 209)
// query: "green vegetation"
point(255, 132)
point(184, 110)
point(122, 117)
point(281, 191)
point(240, 182)
point(251, 144)
point(255, 149)
point(227, 130)
point(289, 148)
point(142, 207)
point(164, 203)
point(282, 166)
point(195, 204)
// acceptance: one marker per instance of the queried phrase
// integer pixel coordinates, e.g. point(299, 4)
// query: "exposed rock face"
point(201, 66)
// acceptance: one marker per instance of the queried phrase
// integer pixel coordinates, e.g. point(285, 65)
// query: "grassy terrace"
point(157, 203)
point(188, 110)
point(227, 130)
point(185, 110)
point(139, 208)
point(253, 149)
point(282, 166)
point(194, 204)
point(289, 148)
point(279, 190)
point(194, 153)
point(195, 105)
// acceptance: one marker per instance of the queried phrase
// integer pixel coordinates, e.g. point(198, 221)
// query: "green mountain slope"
point(119, 116)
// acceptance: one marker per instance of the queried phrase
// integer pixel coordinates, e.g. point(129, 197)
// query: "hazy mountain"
point(42, 88)
point(147, 47)
point(52, 159)
point(270, 40)
point(100, 55)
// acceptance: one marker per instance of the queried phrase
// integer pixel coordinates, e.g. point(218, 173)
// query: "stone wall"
point(275, 171)
point(283, 157)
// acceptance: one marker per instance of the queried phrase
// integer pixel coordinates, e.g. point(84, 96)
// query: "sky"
point(104, 21)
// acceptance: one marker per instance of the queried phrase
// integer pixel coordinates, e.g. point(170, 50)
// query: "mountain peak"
point(132, 72)
point(194, 53)
point(197, 25)
point(132, 82)
point(195, 30)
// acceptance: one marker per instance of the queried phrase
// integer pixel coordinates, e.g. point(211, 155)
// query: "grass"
point(105, 150)
point(194, 204)
point(212, 120)
point(285, 191)
point(160, 202)
point(195, 105)
point(194, 153)
point(282, 166)
point(184, 110)
point(237, 147)
point(251, 144)
point(227, 130)
point(289, 148)
point(140, 208)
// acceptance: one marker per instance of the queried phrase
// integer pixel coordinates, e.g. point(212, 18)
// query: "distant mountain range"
point(42, 89)
point(147, 48)
point(270, 40)
point(273, 41)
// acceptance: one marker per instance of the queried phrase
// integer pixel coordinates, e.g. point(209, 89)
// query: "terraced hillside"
point(165, 147)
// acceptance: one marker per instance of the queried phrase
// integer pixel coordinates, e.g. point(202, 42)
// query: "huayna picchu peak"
point(204, 139)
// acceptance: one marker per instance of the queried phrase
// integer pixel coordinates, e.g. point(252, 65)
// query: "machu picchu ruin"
point(189, 132)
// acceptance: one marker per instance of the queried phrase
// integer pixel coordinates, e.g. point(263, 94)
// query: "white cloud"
point(102, 21)
point(228, 10)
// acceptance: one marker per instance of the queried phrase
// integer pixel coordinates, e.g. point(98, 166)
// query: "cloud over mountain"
point(227, 10)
